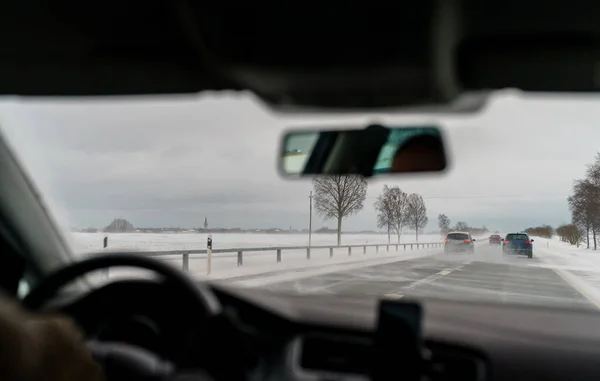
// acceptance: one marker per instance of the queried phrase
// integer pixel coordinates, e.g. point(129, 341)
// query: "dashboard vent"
point(448, 362)
point(350, 355)
point(334, 353)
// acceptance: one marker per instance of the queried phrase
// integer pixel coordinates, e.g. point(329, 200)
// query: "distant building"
point(205, 223)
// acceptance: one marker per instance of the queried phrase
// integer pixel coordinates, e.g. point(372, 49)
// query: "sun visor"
point(556, 62)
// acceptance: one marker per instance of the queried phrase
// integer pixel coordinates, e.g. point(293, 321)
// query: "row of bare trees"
point(397, 210)
point(584, 203)
point(444, 225)
point(338, 196)
point(544, 231)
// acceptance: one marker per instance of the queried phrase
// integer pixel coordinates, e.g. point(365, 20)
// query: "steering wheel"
point(122, 360)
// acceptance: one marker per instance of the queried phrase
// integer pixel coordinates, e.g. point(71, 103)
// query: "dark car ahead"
point(496, 239)
point(518, 243)
point(459, 242)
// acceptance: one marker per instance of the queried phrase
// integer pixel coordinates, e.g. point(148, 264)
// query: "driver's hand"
point(42, 347)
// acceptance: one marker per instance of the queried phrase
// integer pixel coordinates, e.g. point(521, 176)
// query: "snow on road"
point(578, 266)
point(421, 272)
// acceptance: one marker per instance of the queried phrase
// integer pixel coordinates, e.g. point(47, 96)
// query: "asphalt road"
point(486, 275)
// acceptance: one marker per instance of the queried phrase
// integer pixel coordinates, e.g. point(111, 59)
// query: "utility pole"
point(310, 197)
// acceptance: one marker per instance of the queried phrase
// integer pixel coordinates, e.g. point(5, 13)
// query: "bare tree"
point(385, 211)
point(584, 202)
point(584, 207)
point(399, 202)
point(461, 226)
point(593, 194)
point(416, 213)
point(444, 223)
point(571, 233)
point(338, 197)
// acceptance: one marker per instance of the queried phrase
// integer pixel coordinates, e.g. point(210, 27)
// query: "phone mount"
point(398, 342)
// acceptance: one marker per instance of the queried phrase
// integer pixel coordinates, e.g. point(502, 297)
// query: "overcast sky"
point(172, 161)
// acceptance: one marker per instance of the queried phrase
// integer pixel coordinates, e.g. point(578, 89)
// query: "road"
point(485, 275)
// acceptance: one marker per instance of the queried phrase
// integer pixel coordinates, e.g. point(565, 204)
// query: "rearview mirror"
point(367, 152)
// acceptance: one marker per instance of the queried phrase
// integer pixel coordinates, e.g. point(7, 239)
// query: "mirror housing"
point(373, 150)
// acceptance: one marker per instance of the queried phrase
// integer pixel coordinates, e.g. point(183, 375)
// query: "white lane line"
point(434, 277)
point(323, 288)
point(429, 279)
point(393, 295)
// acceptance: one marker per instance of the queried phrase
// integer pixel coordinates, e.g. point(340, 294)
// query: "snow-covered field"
point(579, 267)
point(90, 242)
point(224, 265)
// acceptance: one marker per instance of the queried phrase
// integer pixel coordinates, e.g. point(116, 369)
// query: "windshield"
point(185, 179)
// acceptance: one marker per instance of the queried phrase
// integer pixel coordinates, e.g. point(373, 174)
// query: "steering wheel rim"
point(62, 277)
point(138, 360)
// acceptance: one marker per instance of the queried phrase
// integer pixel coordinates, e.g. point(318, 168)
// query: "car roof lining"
point(355, 57)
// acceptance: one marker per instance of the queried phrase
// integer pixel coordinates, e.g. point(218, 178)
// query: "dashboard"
point(310, 338)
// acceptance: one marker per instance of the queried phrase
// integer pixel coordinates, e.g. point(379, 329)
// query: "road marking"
point(429, 279)
point(319, 289)
point(393, 295)
point(433, 277)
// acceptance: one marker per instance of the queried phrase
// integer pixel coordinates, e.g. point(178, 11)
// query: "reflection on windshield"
point(165, 175)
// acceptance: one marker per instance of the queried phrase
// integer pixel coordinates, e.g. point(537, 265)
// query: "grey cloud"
point(171, 161)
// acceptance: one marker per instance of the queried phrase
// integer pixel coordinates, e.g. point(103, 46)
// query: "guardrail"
point(278, 250)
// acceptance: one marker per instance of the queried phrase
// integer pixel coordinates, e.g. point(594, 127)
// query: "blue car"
point(518, 243)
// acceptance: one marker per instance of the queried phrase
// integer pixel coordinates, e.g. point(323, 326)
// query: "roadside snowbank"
point(580, 267)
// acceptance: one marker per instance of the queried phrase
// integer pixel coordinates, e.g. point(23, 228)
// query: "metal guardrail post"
point(104, 246)
point(240, 258)
point(387, 248)
point(186, 262)
point(209, 254)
